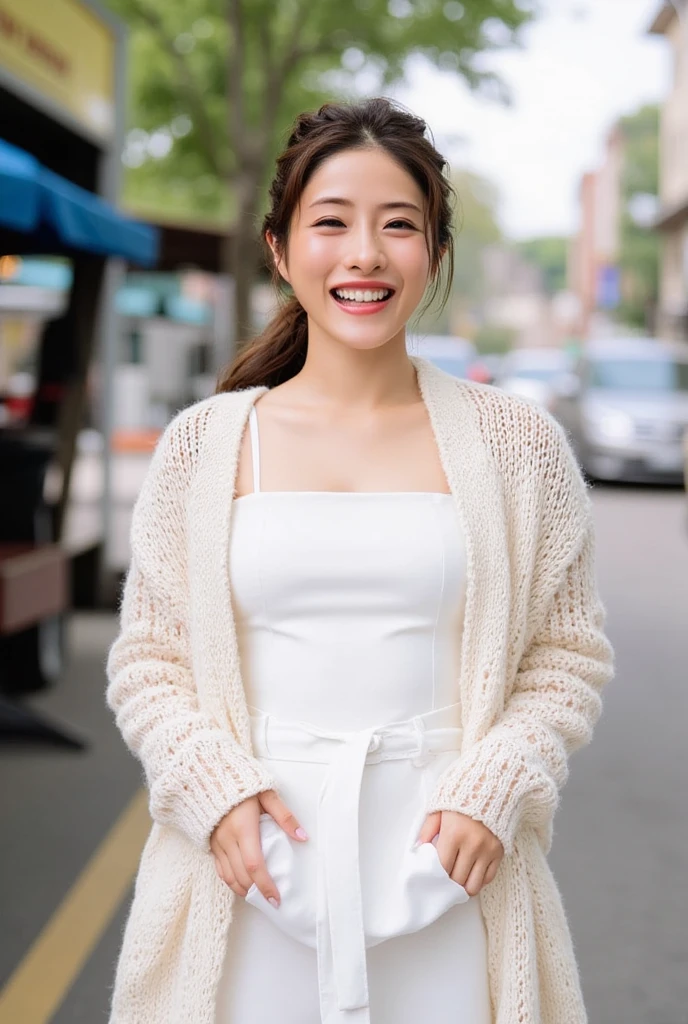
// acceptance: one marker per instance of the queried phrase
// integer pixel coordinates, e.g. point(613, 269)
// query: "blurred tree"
point(550, 254)
point(639, 244)
point(214, 81)
point(476, 227)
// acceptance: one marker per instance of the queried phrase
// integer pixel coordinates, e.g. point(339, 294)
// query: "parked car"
point(452, 354)
point(626, 409)
point(530, 372)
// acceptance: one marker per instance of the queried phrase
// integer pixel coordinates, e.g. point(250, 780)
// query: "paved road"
point(621, 848)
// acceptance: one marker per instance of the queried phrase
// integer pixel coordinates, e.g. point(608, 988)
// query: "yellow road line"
point(41, 981)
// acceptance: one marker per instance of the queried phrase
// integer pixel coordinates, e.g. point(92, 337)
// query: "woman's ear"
point(278, 256)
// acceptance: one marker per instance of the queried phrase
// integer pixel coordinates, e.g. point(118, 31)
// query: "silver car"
point(625, 409)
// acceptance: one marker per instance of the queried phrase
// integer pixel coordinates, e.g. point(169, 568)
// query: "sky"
point(583, 64)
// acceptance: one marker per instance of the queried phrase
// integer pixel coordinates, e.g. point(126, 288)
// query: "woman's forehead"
point(361, 176)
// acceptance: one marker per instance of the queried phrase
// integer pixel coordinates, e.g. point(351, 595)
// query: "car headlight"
point(610, 423)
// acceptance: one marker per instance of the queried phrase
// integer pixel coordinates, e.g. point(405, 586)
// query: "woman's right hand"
point(235, 844)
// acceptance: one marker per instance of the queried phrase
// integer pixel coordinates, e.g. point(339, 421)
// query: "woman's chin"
point(364, 336)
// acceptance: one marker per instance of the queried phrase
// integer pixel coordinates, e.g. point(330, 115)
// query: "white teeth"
point(356, 295)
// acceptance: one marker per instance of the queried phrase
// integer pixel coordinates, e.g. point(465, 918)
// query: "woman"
point(360, 636)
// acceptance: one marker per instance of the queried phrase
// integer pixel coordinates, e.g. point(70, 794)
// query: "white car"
point(531, 372)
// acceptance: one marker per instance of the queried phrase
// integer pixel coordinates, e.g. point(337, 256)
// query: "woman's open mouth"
point(360, 301)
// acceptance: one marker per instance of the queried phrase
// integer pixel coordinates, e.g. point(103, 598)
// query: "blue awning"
point(18, 188)
point(38, 202)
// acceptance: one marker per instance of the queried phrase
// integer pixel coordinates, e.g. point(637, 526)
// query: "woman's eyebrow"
point(397, 204)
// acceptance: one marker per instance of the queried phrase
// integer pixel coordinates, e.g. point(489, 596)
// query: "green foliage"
point(494, 338)
point(291, 56)
point(550, 254)
point(639, 259)
point(641, 143)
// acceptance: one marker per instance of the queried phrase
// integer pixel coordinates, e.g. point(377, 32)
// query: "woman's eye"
point(335, 222)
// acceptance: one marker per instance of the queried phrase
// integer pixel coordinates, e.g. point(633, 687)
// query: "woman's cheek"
point(318, 252)
point(412, 259)
point(309, 265)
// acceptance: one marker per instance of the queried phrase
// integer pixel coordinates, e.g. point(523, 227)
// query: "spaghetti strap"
point(255, 448)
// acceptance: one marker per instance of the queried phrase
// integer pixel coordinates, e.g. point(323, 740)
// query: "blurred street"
point(621, 846)
point(621, 839)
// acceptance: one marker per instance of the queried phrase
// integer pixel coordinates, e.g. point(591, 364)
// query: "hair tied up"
point(279, 352)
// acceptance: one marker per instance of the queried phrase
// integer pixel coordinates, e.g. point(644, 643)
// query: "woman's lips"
point(362, 308)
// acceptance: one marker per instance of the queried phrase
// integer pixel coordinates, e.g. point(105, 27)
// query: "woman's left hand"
point(468, 851)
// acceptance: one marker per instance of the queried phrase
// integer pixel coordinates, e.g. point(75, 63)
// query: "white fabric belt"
point(340, 937)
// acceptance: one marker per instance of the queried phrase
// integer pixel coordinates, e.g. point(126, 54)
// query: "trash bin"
point(24, 458)
point(30, 659)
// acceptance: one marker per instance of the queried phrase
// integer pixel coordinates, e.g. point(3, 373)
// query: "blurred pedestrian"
point(358, 641)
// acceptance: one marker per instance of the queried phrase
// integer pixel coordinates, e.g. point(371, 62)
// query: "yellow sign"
point(65, 52)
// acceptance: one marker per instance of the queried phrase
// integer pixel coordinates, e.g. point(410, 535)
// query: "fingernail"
point(300, 833)
point(273, 902)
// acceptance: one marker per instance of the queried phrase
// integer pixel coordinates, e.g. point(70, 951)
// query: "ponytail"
point(275, 356)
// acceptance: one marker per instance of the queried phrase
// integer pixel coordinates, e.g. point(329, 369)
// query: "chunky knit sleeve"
point(196, 771)
point(512, 776)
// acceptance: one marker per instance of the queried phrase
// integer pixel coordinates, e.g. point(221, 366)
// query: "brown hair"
point(279, 352)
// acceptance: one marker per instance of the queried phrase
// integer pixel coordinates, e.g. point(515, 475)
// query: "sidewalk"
point(56, 807)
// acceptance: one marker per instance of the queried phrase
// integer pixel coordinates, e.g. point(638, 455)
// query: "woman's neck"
point(338, 375)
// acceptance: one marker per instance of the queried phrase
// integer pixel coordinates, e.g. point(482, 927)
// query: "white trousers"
point(370, 927)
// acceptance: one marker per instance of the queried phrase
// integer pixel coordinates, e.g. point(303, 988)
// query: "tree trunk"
point(242, 256)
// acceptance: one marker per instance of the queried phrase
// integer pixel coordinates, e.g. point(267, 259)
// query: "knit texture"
point(534, 659)
point(196, 773)
point(513, 775)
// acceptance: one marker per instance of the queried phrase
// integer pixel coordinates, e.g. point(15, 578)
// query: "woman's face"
point(357, 256)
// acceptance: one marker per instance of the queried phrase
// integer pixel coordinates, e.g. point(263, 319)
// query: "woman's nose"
point(366, 253)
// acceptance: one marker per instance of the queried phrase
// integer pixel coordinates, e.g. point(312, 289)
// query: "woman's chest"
point(354, 555)
point(348, 607)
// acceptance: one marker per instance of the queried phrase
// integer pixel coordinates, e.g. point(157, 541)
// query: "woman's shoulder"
point(202, 412)
point(539, 469)
point(530, 448)
point(523, 436)
point(185, 434)
point(180, 450)
point(184, 440)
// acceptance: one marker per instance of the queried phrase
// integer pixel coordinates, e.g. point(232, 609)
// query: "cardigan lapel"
point(210, 508)
point(476, 486)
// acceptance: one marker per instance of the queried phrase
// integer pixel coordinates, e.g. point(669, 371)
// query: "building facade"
point(671, 21)
point(594, 253)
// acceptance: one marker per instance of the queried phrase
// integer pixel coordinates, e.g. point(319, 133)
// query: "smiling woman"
point(360, 635)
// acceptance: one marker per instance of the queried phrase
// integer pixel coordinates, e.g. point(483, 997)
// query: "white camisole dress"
point(349, 610)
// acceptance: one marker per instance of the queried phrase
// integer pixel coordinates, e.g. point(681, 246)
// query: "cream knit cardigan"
point(534, 661)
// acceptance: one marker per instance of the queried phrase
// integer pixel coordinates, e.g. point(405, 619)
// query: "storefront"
point(61, 126)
